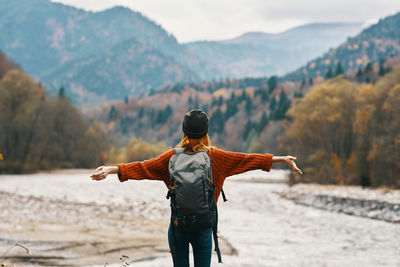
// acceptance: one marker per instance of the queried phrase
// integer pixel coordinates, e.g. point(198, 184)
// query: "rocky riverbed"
point(381, 204)
point(66, 219)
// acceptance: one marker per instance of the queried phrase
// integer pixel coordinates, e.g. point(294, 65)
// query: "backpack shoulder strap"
point(223, 195)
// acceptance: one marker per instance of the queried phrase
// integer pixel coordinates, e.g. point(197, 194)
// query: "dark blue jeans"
point(201, 244)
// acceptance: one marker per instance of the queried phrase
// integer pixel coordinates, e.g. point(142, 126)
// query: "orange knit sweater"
point(225, 164)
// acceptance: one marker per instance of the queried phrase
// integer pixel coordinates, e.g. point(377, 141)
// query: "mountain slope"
point(258, 54)
point(378, 42)
point(48, 37)
point(115, 75)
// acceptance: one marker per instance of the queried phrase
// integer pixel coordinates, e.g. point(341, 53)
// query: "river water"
point(261, 228)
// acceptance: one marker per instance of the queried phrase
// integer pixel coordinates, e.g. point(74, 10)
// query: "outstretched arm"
point(153, 169)
point(289, 160)
point(230, 163)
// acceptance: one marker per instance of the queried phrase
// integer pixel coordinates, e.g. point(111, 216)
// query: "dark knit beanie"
point(195, 124)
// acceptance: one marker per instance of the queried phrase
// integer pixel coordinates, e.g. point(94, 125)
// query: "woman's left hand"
point(102, 172)
point(289, 160)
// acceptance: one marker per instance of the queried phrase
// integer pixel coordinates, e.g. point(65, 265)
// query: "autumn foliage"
point(347, 133)
point(38, 132)
point(136, 150)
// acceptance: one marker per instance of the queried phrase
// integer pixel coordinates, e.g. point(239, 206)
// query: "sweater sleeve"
point(153, 169)
point(231, 163)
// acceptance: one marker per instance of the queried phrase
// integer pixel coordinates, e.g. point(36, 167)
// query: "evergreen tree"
point(329, 73)
point(339, 69)
point(126, 100)
point(220, 100)
point(196, 102)
point(272, 83)
point(264, 95)
point(298, 94)
point(368, 68)
point(163, 115)
point(249, 105)
point(231, 109)
point(113, 114)
point(217, 122)
point(359, 73)
point(283, 106)
point(61, 92)
point(263, 122)
point(303, 84)
point(204, 108)
point(210, 88)
point(272, 105)
point(243, 96)
point(141, 112)
point(247, 129)
point(214, 102)
point(310, 81)
point(233, 97)
point(382, 69)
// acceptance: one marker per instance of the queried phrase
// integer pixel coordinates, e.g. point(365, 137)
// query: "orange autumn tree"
point(321, 133)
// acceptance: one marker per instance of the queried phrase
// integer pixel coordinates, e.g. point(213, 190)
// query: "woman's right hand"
point(102, 172)
point(289, 160)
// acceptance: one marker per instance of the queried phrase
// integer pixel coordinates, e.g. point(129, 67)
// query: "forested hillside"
point(239, 110)
point(339, 128)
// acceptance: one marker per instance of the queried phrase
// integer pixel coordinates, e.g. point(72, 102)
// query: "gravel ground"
point(73, 221)
point(380, 204)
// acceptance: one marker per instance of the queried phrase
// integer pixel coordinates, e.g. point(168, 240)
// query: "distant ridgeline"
point(371, 48)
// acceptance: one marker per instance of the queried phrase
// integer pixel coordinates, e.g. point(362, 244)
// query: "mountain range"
point(257, 54)
point(378, 43)
point(107, 55)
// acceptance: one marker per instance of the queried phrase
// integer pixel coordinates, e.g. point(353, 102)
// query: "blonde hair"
point(197, 145)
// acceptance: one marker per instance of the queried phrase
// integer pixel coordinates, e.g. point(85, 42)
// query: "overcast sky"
point(193, 20)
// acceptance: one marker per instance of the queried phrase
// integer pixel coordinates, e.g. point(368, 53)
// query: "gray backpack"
point(191, 192)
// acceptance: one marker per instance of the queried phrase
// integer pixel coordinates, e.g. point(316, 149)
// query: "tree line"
point(39, 132)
